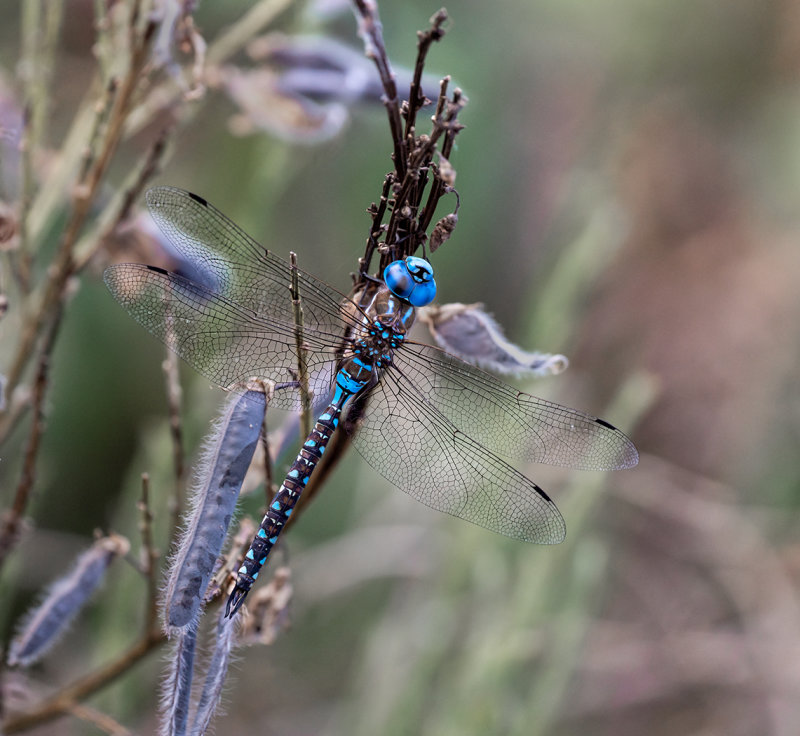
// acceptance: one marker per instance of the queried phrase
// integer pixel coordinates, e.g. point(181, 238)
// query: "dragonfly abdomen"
point(282, 505)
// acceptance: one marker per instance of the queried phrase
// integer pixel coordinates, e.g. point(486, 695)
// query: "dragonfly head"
point(411, 280)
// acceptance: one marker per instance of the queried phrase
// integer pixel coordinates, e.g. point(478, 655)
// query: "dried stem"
point(149, 556)
point(302, 352)
point(378, 212)
point(426, 38)
point(371, 31)
point(269, 481)
point(404, 188)
point(101, 720)
point(13, 517)
point(174, 395)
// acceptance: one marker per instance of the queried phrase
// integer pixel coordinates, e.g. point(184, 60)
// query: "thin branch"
point(269, 481)
point(302, 351)
point(101, 720)
point(426, 39)
point(13, 517)
point(149, 555)
point(371, 32)
point(174, 394)
point(378, 212)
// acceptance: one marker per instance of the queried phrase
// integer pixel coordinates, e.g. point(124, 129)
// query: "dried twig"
point(174, 395)
point(149, 556)
point(404, 188)
point(13, 517)
point(302, 352)
point(371, 31)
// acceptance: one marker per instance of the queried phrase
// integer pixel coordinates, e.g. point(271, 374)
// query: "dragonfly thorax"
point(384, 333)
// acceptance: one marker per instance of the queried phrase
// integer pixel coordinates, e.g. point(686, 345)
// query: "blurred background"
point(628, 178)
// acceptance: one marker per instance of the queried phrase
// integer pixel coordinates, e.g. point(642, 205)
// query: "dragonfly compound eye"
point(411, 280)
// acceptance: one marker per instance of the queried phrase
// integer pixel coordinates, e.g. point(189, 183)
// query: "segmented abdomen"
point(281, 507)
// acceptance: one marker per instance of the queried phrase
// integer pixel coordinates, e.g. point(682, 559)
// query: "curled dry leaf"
point(268, 609)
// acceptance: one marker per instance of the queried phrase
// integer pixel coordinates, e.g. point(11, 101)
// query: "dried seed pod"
point(46, 623)
point(176, 690)
point(221, 471)
point(227, 630)
point(469, 332)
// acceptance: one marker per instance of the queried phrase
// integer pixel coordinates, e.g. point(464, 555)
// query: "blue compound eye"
point(398, 279)
point(411, 280)
point(423, 294)
point(420, 269)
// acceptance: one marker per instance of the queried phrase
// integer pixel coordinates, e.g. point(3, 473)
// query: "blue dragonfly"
point(430, 423)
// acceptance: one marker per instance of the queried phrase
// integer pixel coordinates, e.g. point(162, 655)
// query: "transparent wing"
point(417, 449)
point(237, 267)
point(509, 422)
point(223, 341)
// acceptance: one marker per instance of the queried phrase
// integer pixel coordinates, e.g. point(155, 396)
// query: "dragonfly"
point(433, 425)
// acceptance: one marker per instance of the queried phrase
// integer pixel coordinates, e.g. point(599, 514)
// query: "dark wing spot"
point(606, 424)
point(158, 270)
point(197, 198)
point(541, 492)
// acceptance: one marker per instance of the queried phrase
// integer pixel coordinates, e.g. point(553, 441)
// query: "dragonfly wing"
point(231, 263)
point(419, 450)
point(510, 422)
point(222, 340)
